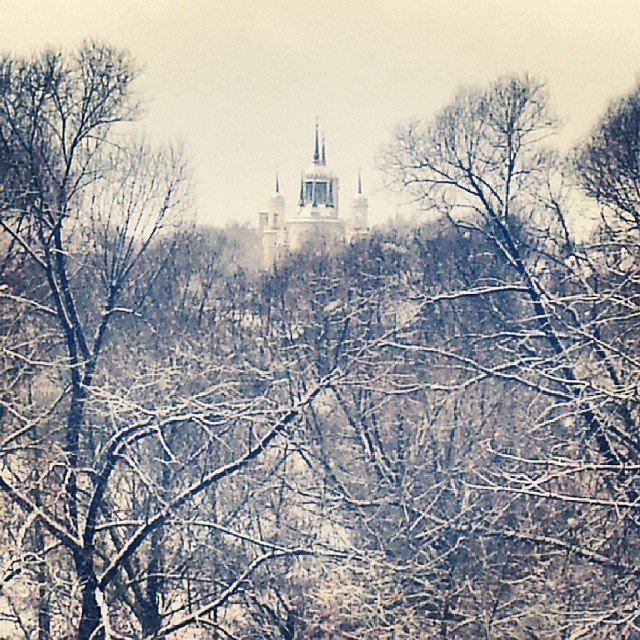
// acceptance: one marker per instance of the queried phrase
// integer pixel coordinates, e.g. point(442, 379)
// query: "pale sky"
point(241, 82)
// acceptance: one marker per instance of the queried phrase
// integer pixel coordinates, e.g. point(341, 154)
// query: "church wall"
point(314, 232)
point(270, 248)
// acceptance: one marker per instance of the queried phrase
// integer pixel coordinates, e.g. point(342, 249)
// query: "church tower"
point(316, 221)
point(317, 218)
point(272, 225)
point(359, 219)
point(318, 186)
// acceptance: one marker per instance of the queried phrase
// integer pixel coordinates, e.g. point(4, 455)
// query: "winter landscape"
point(396, 399)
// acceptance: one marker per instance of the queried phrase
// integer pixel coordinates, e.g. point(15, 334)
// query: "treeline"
point(432, 433)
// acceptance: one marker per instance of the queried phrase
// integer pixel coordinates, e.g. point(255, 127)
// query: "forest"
point(432, 432)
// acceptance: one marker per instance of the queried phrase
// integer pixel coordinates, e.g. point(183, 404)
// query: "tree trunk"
point(44, 613)
point(90, 618)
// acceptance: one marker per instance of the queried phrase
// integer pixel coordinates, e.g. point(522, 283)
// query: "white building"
point(317, 219)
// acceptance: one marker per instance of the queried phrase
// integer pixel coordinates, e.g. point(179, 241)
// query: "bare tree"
point(607, 163)
point(482, 166)
point(437, 427)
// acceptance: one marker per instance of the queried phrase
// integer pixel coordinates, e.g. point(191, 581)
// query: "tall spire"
point(316, 152)
point(277, 182)
point(324, 156)
point(359, 182)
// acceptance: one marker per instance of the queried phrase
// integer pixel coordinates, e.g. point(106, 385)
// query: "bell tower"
point(318, 186)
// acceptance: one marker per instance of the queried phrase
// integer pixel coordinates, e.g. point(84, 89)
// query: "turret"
point(276, 206)
point(272, 226)
point(359, 219)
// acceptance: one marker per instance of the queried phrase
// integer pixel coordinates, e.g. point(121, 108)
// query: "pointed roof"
point(317, 170)
point(360, 200)
point(316, 151)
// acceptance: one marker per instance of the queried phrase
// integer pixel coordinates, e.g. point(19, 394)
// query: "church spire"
point(316, 152)
point(324, 155)
point(277, 182)
point(359, 182)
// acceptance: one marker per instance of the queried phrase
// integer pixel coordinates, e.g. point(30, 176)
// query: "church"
point(316, 220)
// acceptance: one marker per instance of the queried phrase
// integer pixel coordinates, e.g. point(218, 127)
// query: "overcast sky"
point(240, 82)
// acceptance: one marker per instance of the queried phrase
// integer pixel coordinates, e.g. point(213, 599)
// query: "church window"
point(321, 192)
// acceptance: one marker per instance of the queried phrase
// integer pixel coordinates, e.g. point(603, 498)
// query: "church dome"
point(318, 171)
